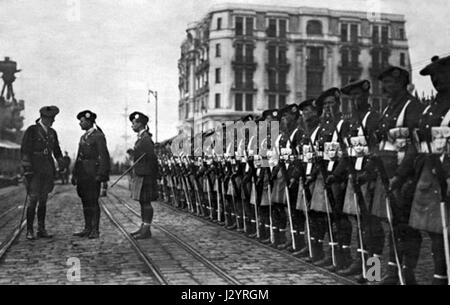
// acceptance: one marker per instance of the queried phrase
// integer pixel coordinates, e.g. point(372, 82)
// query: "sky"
point(105, 54)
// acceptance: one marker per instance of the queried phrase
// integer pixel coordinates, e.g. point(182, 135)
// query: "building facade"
point(243, 59)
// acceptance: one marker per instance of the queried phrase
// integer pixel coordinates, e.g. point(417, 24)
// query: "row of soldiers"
point(325, 174)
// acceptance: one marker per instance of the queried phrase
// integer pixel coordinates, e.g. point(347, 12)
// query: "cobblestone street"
point(112, 260)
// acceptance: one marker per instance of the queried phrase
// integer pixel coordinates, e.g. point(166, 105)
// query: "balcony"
point(278, 65)
point(244, 62)
point(377, 68)
point(204, 65)
point(202, 90)
point(244, 86)
point(350, 67)
point(278, 88)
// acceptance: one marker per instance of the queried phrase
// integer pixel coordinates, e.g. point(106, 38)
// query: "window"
point(315, 56)
point(385, 58)
point(272, 101)
point(354, 33)
point(219, 23)
point(344, 32)
point(375, 59)
point(239, 52)
point(249, 53)
point(272, 30)
point(272, 55)
point(238, 102)
point(402, 59)
point(401, 33)
point(375, 34)
point(282, 24)
point(249, 102)
point(384, 34)
point(187, 110)
point(281, 80)
point(344, 58)
point(314, 27)
point(313, 84)
point(249, 78)
point(238, 78)
point(239, 27)
point(217, 101)
point(282, 101)
point(355, 57)
point(282, 56)
point(218, 53)
point(272, 80)
point(249, 26)
point(218, 76)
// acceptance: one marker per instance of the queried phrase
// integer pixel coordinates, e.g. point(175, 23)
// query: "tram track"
point(211, 266)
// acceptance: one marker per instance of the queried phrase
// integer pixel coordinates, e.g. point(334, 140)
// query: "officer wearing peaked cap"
point(145, 189)
point(394, 134)
point(39, 146)
point(91, 169)
point(432, 168)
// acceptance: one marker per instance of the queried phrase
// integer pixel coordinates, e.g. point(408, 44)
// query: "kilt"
point(379, 200)
point(265, 196)
point(301, 199)
point(425, 212)
point(318, 202)
point(349, 202)
point(279, 189)
point(144, 188)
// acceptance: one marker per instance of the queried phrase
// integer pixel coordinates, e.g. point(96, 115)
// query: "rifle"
point(326, 189)
point(128, 170)
point(288, 200)
point(385, 181)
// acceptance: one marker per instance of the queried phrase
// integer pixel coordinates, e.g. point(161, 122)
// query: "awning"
point(8, 144)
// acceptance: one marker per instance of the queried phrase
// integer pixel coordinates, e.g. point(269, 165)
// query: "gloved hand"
point(28, 174)
point(101, 178)
point(309, 180)
point(395, 183)
point(331, 179)
point(362, 178)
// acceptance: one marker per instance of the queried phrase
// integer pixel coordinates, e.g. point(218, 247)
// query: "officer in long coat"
point(145, 188)
point(91, 169)
point(39, 145)
point(432, 167)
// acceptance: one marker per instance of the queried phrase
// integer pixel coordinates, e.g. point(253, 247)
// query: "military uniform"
point(394, 133)
point(39, 146)
point(432, 170)
point(359, 168)
point(328, 198)
point(91, 168)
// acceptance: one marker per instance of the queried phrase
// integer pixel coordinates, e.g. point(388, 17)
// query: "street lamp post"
point(155, 94)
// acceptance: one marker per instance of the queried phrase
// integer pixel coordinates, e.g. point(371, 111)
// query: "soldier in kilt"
point(432, 168)
point(145, 174)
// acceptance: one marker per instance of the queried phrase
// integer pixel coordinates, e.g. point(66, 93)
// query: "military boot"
point(284, 242)
point(87, 224)
point(410, 278)
point(343, 260)
point(137, 231)
point(299, 243)
point(354, 269)
point(95, 223)
point(42, 233)
point(30, 234)
point(390, 278)
point(145, 232)
point(317, 252)
point(276, 238)
point(30, 221)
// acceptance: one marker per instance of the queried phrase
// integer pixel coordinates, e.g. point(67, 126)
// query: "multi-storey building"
point(242, 59)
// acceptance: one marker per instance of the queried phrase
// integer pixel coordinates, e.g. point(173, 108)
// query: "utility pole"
point(155, 94)
point(126, 126)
